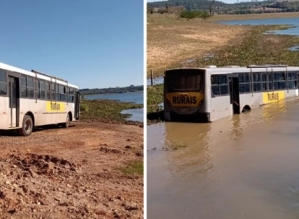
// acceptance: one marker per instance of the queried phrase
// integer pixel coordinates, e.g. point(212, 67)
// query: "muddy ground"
point(72, 173)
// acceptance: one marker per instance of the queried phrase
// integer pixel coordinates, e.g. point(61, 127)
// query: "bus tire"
point(27, 126)
point(67, 121)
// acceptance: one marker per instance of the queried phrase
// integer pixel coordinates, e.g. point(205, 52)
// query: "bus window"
point(244, 83)
point(270, 81)
point(30, 87)
point(3, 86)
point(71, 95)
point(37, 88)
point(256, 80)
point(178, 80)
point(42, 89)
point(23, 86)
point(47, 90)
point(264, 82)
point(279, 81)
point(292, 80)
point(219, 85)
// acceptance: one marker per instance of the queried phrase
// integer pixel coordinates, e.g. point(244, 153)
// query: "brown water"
point(246, 166)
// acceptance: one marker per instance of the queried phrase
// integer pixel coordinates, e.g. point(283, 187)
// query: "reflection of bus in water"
point(29, 99)
point(216, 92)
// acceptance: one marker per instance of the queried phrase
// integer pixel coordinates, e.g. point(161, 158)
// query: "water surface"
point(244, 166)
point(278, 21)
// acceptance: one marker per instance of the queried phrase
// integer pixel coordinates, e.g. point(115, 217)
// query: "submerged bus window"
point(256, 80)
point(219, 85)
point(279, 81)
point(292, 80)
point(244, 83)
point(184, 80)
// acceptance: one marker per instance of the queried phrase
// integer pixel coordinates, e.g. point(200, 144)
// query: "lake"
point(133, 97)
point(281, 21)
point(243, 166)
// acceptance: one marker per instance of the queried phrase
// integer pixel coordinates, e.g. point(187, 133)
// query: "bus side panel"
point(220, 107)
point(26, 105)
point(41, 118)
point(252, 100)
point(4, 114)
point(291, 93)
point(57, 110)
point(38, 108)
point(70, 107)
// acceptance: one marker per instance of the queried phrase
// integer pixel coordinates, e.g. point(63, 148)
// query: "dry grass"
point(171, 40)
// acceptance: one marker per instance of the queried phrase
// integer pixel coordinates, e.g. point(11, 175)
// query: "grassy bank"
point(254, 47)
point(105, 110)
point(135, 167)
point(154, 97)
point(172, 41)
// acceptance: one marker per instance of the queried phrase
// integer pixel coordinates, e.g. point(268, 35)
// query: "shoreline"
point(236, 17)
point(113, 93)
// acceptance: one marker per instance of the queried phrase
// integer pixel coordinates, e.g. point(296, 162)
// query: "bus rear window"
point(184, 80)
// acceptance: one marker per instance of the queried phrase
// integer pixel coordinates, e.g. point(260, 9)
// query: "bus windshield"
point(183, 79)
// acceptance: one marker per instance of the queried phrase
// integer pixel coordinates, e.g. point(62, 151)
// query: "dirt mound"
point(43, 164)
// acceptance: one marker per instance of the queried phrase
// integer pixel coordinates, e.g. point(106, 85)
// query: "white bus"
point(31, 98)
point(215, 92)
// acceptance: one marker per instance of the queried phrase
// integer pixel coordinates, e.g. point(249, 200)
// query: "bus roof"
point(36, 74)
point(238, 69)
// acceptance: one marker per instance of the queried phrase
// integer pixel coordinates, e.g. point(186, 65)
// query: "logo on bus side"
point(273, 96)
point(269, 97)
point(55, 106)
point(184, 99)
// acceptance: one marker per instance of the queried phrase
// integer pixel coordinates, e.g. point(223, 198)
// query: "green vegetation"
point(257, 48)
point(194, 14)
point(110, 90)
point(135, 167)
point(154, 98)
point(105, 110)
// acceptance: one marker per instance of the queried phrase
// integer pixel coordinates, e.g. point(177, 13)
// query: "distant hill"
point(239, 7)
point(131, 88)
point(188, 4)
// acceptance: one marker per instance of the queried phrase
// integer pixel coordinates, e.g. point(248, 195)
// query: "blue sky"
point(92, 44)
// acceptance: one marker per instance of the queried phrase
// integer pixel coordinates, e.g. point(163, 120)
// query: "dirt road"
point(77, 172)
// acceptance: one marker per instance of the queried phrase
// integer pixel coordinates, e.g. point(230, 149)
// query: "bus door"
point(234, 93)
point(13, 93)
point(77, 105)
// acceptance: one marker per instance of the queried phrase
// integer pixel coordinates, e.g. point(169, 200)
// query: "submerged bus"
point(32, 98)
point(214, 92)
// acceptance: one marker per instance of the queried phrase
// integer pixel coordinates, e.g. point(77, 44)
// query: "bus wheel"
point(27, 126)
point(67, 121)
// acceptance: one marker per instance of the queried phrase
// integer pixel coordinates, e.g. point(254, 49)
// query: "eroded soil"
point(72, 173)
